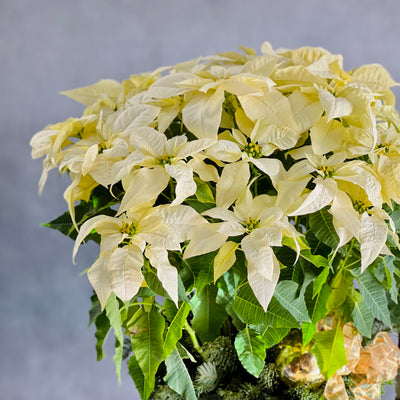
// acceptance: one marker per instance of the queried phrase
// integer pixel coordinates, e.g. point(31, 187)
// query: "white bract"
point(261, 226)
point(254, 143)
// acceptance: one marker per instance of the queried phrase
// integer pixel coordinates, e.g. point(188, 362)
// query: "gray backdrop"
point(46, 46)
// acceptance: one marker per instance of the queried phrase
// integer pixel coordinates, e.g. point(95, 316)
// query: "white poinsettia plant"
point(240, 193)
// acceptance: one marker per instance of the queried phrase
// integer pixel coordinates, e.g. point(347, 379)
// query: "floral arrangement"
point(247, 208)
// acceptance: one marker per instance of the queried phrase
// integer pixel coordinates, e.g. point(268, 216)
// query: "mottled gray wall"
point(46, 350)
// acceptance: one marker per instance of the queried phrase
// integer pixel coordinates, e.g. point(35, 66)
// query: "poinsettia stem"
point(348, 253)
point(194, 340)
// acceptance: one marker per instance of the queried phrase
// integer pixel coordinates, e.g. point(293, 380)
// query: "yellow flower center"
point(383, 148)
point(128, 229)
point(327, 171)
point(253, 150)
point(360, 206)
point(251, 223)
point(165, 160)
point(103, 146)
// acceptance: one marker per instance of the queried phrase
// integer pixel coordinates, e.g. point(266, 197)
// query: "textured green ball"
point(222, 354)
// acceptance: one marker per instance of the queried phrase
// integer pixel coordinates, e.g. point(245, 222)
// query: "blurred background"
point(46, 46)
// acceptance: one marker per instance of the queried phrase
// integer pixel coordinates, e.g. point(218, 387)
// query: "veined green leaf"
point(208, 315)
point(329, 351)
point(272, 336)
point(147, 337)
point(202, 269)
point(178, 377)
point(322, 227)
point(318, 311)
point(374, 295)
point(177, 320)
point(247, 307)
point(285, 293)
point(138, 378)
point(278, 317)
point(251, 350)
point(113, 315)
point(362, 318)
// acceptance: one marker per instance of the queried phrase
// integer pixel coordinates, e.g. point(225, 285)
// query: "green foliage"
point(251, 350)
point(102, 328)
point(147, 337)
point(246, 306)
point(178, 377)
point(322, 227)
point(113, 315)
point(363, 318)
point(201, 269)
point(99, 203)
point(208, 315)
point(374, 295)
point(138, 377)
point(286, 293)
point(317, 310)
point(222, 354)
point(177, 320)
point(304, 393)
point(329, 350)
point(269, 381)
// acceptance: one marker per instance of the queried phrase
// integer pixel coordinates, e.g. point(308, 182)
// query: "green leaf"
point(316, 260)
point(329, 350)
point(272, 336)
point(154, 284)
point(138, 378)
point(251, 350)
point(95, 311)
point(99, 203)
point(199, 206)
point(362, 318)
point(202, 269)
point(288, 257)
point(374, 295)
point(208, 315)
point(102, 328)
point(322, 227)
point(177, 320)
point(318, 311)
point(278, 317)
point(390, 269)
point(285, 293)
point(203, 192)
point(316, 245)
point(113, 315)
point(147, 337)
point(246, 306)
point(226, 295)
point(340, 286)
point(178, 377)
point(320, 280)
